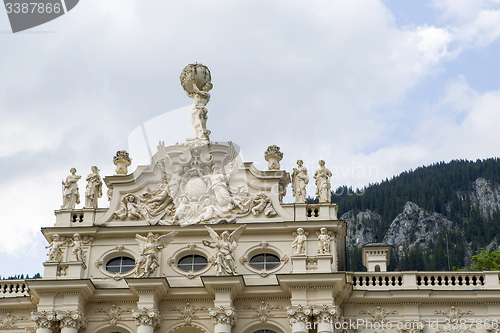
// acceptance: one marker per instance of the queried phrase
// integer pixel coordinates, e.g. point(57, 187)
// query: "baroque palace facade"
point(199, 241)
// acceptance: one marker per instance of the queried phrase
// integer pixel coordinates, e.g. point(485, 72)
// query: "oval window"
point(192, 262)
point(120, 265)
point(265, 261)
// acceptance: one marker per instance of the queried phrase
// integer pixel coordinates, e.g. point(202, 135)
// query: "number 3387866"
point(32, 7)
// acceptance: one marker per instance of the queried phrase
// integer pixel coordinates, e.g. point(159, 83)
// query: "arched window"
point(377, 268)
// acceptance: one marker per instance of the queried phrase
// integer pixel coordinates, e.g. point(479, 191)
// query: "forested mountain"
point(436, 217)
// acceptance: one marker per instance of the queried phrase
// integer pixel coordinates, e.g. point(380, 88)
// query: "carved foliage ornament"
point(113, 314)
point(263, 310)
point(223, 315)
point(147, 317)
point(71, 319)
point(325, 313)
point(188, 313)
point(411, 326)
point(9, 321)
point(453, 321)
point(44, 319)
point(299, 313)
point(378, 315)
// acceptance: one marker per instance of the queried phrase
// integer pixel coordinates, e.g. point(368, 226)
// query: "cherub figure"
point(71, 194)
point(55, 253)
point(130, 208)
point(299, 243)
point(150, 248)
point(78, 247)
point(324, 238)
point(299, 181)
point(225, 245)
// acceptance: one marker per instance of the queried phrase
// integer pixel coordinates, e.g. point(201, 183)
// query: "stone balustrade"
point(425, 280)
point(13, 288)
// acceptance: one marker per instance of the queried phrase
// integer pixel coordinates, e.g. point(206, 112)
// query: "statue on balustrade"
point(300, 179)
point(71, 194)
point(322, 176)
point(94, 188)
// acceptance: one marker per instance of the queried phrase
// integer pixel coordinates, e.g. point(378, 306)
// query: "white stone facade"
point(199, 241)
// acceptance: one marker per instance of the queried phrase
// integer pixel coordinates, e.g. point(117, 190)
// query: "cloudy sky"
point(373, 87)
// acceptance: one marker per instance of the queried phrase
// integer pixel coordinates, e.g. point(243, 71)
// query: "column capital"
point(71, 319)
point(44, 319)
point(147, 317)
point(325, 313)
point(299, 314)
point(223, 315)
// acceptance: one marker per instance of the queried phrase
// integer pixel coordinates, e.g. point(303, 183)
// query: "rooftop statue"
point(322, 176)
point(195, 79)
point(94, 188)
point(299, 181)
point(71, 195)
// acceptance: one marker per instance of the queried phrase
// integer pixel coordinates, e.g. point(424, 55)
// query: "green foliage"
point(486, 261)
point(441, 187)
point(21, 277)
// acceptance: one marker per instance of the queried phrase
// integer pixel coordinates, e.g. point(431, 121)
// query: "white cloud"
point(318, 78)
point(27, 136)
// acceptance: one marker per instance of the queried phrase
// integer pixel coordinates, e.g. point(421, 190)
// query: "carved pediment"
point(190, 183)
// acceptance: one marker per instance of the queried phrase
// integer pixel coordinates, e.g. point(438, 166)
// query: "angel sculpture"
point(225, 245)
point(150, 248)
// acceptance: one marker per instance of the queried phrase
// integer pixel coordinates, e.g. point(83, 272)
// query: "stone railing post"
point(299, 317)
point(146, 319)
point(71, 321)
point(44, 321)
point(324, 318)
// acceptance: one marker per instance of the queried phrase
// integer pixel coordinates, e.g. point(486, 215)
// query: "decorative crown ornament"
point(122, 162)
